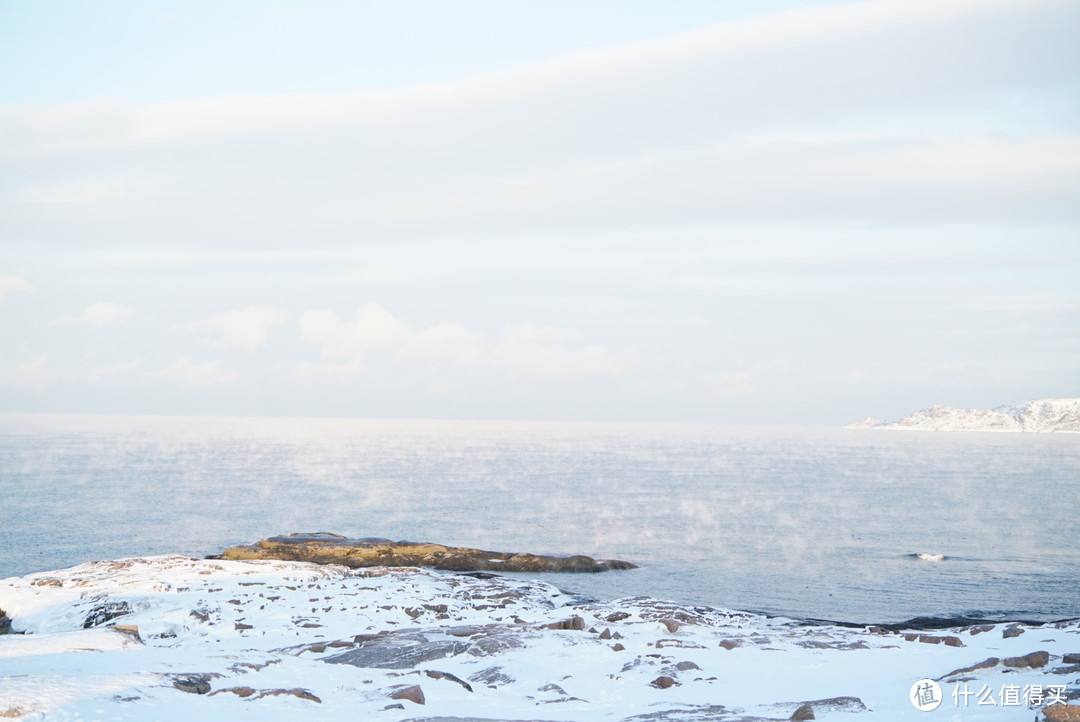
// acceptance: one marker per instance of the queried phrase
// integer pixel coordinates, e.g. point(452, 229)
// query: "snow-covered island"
point(176, 638)
point(1040, 416)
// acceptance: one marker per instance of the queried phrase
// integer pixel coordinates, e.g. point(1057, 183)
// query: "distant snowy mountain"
point(1040, 416)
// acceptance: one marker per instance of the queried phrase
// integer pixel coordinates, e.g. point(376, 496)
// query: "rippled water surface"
point(805, 522)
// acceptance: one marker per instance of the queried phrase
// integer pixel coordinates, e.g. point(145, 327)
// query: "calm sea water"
point(801, 522)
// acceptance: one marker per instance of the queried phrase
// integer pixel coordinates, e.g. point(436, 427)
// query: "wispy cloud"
point(375, 328)
point(244, 328)
point(13, 284)
point(124, 371)
point(520, 350)
point(826, 112)
point(188, 372)
point(98, 314)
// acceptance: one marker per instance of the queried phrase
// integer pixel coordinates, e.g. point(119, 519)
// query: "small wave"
point(928, 557)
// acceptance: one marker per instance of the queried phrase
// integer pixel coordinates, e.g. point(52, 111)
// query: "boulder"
point(192, 683)
point(411, 692)
point(1062, 713)
point(1033, 660)
point(323, 548)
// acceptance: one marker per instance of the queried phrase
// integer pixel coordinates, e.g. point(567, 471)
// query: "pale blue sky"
point(153, 51)
point(743, 212)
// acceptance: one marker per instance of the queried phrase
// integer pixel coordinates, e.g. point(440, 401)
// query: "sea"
point(851, 525)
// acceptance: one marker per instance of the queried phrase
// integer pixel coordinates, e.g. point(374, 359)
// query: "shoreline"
point(919, 622)
point(171, 637)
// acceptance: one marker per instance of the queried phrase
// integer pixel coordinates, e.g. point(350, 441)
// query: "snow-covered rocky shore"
point(1054, 416)
point(175, 638)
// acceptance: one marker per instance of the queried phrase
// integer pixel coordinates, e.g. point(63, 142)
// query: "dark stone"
point(703, 713)
point(395, 656)
point(686, 666)
point(435, 674)
point(323, 548)
point(663, 682)
point(192, 683)
point(5, 622)
point(1073, 658)
point(105, 613)
point(838, 704)
point(1068, 669)
point(492, 676)
point(1013, 631)
point(804, 712)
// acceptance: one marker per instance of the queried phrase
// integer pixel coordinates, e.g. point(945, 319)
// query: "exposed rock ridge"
point(323, 548)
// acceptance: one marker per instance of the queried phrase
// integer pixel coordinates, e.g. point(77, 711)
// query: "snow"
point(1039, 416)
point(282, 629)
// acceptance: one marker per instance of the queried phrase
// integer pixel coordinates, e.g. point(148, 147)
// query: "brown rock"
point(1013, 631)
point(663, 682)
point(131, 630)
point(1062, 713)
point(618, 647)
point(238, 691)
point(435, 674)
point(325, 548)
point(804, 712)
point(574, 623)
point(985, 664)
point(294, 692)
point(413, 693)
point(1073, 658)
point(1034, 660)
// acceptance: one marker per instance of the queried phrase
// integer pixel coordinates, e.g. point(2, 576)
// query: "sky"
point(768, 212)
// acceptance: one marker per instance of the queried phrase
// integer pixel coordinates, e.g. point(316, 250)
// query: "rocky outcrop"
point(323, 548)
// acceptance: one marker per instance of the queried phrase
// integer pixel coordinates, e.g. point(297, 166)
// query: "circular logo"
point(925, 695)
